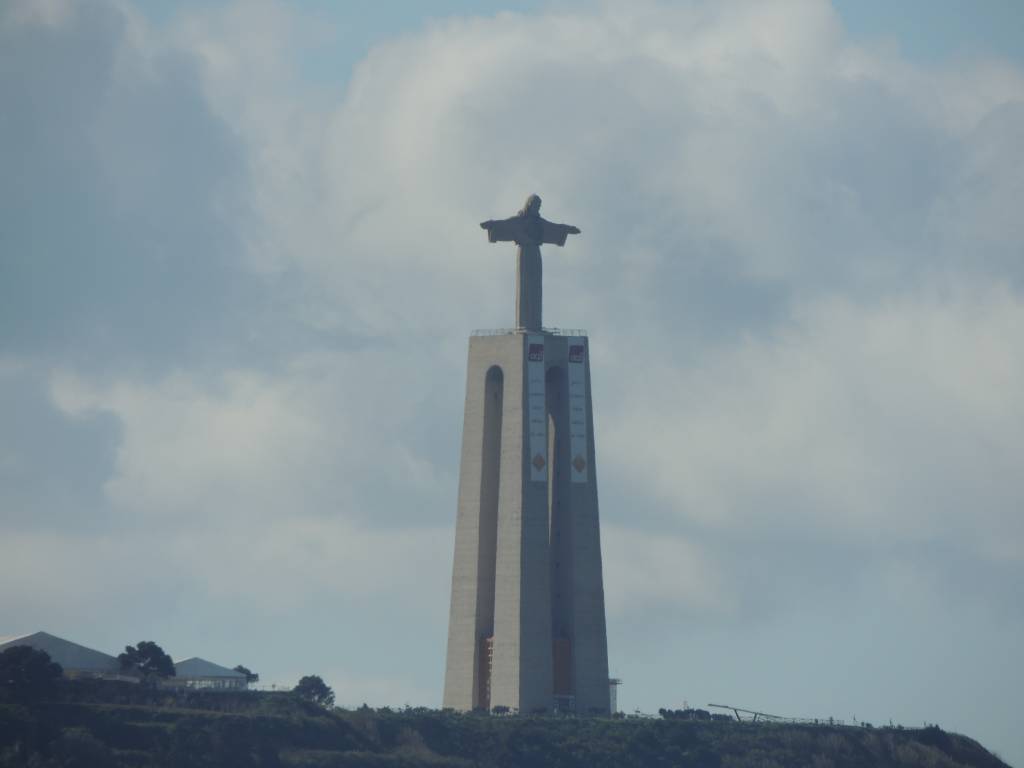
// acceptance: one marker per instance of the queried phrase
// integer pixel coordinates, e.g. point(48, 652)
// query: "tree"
point(28, 672)
point(147, 658)
point(250, 676)
point(313, 688)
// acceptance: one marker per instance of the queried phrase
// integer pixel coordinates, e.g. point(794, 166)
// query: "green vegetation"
point(27, 674)
point(103, 724)
point(250, 676)
point(148, 659)
point(313, 688)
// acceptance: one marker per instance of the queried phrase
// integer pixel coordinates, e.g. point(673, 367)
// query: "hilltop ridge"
point(111, 725)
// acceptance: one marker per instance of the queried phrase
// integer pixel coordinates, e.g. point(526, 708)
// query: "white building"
point(200, 673)
point(75, 659)
point(78, 661)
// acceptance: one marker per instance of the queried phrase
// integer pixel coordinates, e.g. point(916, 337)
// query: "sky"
point(240, 259)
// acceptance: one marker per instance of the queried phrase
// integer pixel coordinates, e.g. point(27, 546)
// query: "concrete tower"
point(527, 625)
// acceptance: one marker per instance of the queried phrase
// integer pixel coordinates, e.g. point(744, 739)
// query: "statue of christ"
point(529, 231)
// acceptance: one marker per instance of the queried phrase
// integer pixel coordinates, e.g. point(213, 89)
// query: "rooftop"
point(197, 667)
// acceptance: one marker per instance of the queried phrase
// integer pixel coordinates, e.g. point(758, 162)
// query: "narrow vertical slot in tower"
point(561, 533)
point(490, 483)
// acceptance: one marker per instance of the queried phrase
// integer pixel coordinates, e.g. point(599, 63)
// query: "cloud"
point(749, 151)
point(235, 484)
point(724, 185)
point(123, 205)
point(48, 465)
point(244, 444)
point(900, 418)
point(185, 450)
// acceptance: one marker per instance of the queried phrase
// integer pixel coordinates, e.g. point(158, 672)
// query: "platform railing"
point(544, 331)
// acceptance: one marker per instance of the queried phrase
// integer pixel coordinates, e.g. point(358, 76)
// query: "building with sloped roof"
point(76, 660)
point(195, 672)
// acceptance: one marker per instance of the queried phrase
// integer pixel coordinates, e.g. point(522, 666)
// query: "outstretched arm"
point(556, 234)
point(502, 230)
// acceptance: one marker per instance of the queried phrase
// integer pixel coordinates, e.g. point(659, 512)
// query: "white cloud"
point(262, 488)
point(760, 201)
point(186, 448)
point(899, 420)
point(77, 573)
point(320, 436)
point(307, 560)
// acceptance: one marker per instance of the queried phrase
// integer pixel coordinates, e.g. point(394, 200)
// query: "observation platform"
point(514, 331)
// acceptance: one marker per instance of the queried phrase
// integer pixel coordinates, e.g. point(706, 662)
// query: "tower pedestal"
point(527, 624)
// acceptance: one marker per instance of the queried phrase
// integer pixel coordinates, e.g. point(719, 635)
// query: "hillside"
point(101, 726)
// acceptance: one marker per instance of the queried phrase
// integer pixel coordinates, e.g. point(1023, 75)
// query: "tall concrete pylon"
point(527, 623)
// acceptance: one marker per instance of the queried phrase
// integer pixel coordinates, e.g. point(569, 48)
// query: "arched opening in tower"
point(560, 531)
point(490, 480)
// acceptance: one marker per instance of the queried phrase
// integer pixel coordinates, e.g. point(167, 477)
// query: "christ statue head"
point(532, 207)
